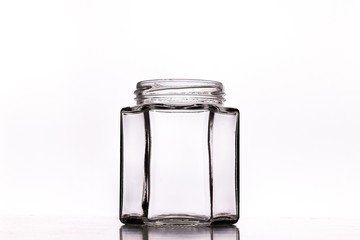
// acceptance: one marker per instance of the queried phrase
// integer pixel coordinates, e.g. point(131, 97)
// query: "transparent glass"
point(179, 155)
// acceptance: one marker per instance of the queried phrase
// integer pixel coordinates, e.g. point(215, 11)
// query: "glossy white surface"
point(13, 228)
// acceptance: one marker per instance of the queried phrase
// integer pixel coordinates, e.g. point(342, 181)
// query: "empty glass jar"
point(179, 155)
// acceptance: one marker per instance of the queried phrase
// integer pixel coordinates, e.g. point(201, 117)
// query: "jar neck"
point(179, 92)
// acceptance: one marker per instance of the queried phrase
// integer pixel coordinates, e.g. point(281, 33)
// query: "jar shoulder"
point(189, 108)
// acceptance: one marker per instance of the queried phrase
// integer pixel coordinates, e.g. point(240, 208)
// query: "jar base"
point(178, 220)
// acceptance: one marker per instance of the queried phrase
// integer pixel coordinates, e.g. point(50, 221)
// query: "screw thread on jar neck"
point(179, 91)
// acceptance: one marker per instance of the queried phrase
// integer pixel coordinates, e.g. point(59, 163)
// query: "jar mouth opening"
point(180, 81)
point(179, 91)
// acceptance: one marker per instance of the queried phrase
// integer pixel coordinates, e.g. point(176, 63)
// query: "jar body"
point(179, 164)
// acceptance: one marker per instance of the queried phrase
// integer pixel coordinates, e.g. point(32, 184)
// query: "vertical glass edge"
point(121, 168)
point(237, 154)
point(147, 156)
point(210, 148)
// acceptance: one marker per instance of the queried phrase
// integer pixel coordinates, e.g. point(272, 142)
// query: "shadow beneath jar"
point(143, 232)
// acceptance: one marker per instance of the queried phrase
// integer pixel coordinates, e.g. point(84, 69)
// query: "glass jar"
point(179, 155)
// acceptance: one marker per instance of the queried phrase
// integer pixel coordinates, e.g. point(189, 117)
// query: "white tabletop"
point(107, 228)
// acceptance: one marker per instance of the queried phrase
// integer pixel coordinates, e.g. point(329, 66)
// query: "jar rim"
point(179, 91)
point(179, 80)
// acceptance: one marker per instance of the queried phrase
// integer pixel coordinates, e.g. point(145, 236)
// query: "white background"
point(291, 67)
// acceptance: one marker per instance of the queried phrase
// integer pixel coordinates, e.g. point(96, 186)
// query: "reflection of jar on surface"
point(179, 155)
point(189, 233)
